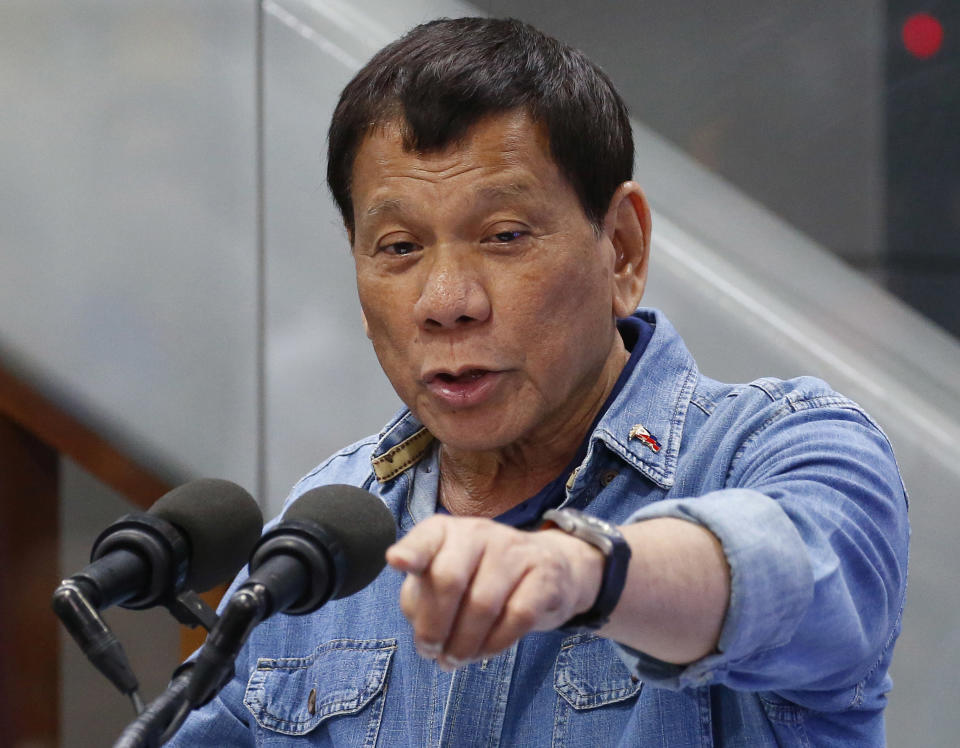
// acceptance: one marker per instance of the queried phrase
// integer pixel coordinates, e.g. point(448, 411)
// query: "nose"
point(452, 294)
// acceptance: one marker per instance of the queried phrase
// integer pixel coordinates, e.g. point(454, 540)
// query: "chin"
point(469, 440)
point(465, 432)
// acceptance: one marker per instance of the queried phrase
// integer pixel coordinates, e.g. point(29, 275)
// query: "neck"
point(489, 484)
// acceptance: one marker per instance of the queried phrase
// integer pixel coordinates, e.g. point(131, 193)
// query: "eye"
point(505, 237)
point(398, 249)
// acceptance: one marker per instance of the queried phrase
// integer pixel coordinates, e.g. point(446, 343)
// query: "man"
point(753, 590)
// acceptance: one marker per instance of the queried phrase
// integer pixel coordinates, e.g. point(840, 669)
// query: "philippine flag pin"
point(639, 432)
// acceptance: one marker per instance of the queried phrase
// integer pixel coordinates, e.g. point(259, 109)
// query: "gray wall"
point(193, 296)
point(128, 222)
point(324, 388)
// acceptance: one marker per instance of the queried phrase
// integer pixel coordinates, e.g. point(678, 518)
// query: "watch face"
point(599, 524)
point(593, 530)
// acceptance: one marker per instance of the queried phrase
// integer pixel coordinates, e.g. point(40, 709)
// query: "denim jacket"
point(799, 485)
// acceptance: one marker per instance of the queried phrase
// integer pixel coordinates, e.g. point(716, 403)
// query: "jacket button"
point(607, 477)
point(312, 701)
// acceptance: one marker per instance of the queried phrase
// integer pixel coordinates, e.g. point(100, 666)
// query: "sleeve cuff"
point(771, 581)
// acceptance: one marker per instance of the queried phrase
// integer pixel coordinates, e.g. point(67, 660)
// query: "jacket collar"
point(643, 425)
point(402, 444)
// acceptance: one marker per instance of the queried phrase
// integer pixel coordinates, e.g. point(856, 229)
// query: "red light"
point(922, 35)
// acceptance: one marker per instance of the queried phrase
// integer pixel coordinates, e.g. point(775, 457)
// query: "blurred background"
point(177, 297)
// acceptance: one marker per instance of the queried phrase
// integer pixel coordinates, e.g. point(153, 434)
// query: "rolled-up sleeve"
point(813, 525)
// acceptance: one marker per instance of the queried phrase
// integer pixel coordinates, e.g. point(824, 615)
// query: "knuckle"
point(553, 599)
point(554, 579)
point(522, 615)
point(448, 582)
point(485, 606)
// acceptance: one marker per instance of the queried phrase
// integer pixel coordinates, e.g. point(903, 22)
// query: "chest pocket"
point(597, 694)
point(294, 695)
point(590, 674)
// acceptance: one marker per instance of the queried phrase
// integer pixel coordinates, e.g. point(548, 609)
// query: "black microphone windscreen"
point(361, 523)
point(221, 521)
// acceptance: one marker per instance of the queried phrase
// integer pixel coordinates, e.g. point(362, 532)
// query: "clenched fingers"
point(475, 586)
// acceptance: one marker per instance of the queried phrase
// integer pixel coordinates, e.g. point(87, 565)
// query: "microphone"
point(331, 543)
point(192, 538)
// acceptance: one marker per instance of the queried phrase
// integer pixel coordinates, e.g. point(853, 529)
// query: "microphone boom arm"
point(249, 605)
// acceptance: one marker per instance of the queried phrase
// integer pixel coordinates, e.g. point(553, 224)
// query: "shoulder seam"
point(787, 404)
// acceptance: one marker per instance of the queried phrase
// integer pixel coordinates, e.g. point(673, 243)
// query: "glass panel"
point(127, 225)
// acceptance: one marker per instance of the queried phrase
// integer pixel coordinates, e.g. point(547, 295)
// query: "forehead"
point(503, 155)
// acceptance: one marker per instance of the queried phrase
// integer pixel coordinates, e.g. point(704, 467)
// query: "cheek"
point(567, 325)
point(570, 296)
point(382, 316)
point(382, 329)
point(394, 351)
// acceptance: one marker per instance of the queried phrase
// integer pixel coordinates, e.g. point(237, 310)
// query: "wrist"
point(607, 540)
point(586, 563)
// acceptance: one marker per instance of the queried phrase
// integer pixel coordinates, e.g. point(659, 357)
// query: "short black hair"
point(444, 76)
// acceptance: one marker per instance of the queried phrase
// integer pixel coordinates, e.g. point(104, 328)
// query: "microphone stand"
point(162, 717)
point(197, 682)
point(202, 679)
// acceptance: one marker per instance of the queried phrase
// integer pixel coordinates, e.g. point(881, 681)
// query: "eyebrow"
point(385, 206)
point(500, 191)
point(490, 192)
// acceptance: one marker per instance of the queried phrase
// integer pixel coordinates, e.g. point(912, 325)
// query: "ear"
point(627, 226)
point(366, 326)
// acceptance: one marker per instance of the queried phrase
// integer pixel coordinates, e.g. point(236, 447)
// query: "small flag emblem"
point(639, 432)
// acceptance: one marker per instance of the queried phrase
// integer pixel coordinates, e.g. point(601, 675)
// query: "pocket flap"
point(590, 673)
point(293, 695)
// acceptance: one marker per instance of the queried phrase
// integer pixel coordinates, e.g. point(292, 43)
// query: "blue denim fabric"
point(802, 490)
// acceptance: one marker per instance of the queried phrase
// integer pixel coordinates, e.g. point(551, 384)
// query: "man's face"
point(485, 290)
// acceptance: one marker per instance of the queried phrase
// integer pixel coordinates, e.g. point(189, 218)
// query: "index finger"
point(413, 553)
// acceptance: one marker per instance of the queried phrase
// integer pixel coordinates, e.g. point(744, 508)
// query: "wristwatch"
point(607, 538)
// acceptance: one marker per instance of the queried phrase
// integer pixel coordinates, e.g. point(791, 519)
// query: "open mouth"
point(470, 375)
point(466, 388)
